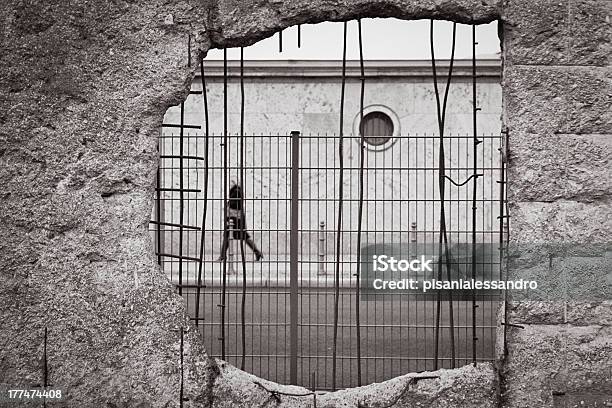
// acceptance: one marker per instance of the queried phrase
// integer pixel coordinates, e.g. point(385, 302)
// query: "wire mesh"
point(401, 203)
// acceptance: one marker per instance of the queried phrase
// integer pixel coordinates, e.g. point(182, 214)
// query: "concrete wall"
point(557, 98)
point(85, 87)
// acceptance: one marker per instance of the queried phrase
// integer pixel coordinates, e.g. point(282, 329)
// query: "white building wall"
point(311, 104)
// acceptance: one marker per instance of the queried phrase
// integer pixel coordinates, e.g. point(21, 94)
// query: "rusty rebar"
point(359, 207)
point(225, 230)
point(181, 198)
point(243, 213)
point(205, 188)
point(443, 237)
point(475, 175)
point(339, 225)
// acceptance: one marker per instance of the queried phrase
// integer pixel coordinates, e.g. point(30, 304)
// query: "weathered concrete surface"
point(573, 167)
point(463, 387)
point(85, 86)
point(557, 98)
point(558, 32)
point(242, 22)
point(543, 99)
point(559, 365)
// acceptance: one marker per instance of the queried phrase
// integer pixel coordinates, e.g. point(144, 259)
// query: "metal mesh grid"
point(401, 203)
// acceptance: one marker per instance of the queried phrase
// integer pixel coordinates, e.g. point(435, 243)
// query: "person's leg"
point(249, 241)
point(243, 233)
point(224, 245)
point(258, 255)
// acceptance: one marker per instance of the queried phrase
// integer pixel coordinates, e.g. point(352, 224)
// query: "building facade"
point(401, 155)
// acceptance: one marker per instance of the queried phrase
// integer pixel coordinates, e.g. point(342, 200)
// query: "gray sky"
point(387, 38)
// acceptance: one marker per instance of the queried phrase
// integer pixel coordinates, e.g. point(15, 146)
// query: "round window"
point(377, 128)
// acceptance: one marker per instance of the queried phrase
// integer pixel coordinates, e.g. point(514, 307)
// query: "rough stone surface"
point(558, 32)
point(557, 98)
point(564, 278)
point(545, 100)
point(562, 223)
point(558, 365)
point(464, 387)
point(549, 167)
point(85, 85)
point(577, 313)
point(237, 21)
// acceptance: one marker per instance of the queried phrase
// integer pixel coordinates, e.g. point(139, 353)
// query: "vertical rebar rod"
point(181, 393)
point(293, 261)
point(443, 237)
point(181, 197)
point(189, 50)
point(45, 370)
point(45, 366)
point(158, 209)
point(437, 329)
point(280, 41)
point(474, 189)
point(299, 35)
point(205, 190)
point(339, 225)
point(502, 239)
point(360, 208)
point(225, 231)
point(243, 215)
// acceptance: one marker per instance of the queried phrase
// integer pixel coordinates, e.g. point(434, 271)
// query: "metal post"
point(322, 248)
point(293, 251)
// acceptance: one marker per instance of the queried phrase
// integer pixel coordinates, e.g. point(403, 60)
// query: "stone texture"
point(245, 22)
point(546, 100)
point(549, 167)
point(577, 313)
point(564, 278)
point(549, 366)
point(558, 32)
point(567, 224)
point(464, 387)
point(559, 123)
point(85, 86)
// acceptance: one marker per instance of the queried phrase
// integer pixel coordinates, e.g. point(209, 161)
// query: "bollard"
point(413, 239)
point(322, 248)
point(230, 247)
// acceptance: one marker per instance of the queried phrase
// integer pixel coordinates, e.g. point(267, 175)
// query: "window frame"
point(386, 111)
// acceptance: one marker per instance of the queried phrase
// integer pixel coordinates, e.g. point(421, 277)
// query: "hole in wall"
point(299, 89)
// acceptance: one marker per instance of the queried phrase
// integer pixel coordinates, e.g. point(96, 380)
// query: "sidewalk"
point(270, 272)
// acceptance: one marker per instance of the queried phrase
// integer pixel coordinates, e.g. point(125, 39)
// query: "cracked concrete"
point(84, 88)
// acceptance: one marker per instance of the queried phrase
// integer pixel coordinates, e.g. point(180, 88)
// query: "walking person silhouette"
point(237, 216)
